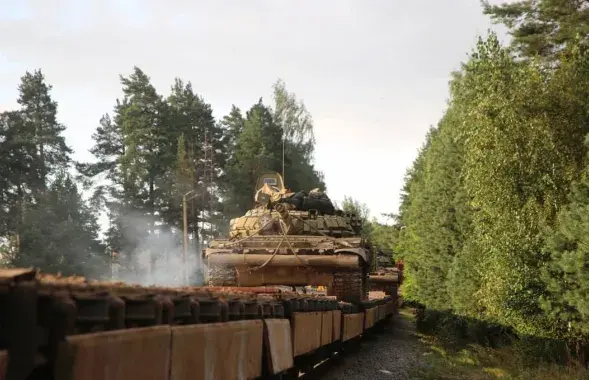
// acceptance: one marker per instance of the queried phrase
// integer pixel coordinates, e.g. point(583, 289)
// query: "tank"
point(386, 275)
point(292, 239)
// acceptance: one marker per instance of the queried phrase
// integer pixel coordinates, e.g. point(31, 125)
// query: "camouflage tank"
point(292, 239)
point(386, 276)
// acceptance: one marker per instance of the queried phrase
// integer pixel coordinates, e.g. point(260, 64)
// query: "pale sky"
point(373, 73)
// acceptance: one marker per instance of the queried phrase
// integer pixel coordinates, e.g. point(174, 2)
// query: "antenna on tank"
point(283, 138)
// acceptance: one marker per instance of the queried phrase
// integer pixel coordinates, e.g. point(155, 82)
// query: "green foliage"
point(384, 236)
point(362, 211)
point(544, 28)
point(520, 157)
point(354, 206)
point(566, 272)
point(435, 215)
point(44, 221)
point(489, 227)
point(464, 348)
point(60, 233)
point(258, 148)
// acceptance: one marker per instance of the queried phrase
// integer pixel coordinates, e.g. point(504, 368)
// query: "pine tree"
point(45, 221)
point(134, 151)
point(543, 28)
point(204, 141)
point(566, 273)
point(60, 233)
point(256, 150)
point(38, 115)
point(232, 125)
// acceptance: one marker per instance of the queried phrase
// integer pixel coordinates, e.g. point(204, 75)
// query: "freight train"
point(75, 329)
point(243, 326)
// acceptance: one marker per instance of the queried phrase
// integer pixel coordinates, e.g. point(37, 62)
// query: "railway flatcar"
point(76, 329)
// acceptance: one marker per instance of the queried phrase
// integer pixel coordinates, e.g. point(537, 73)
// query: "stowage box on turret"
point(293, 239)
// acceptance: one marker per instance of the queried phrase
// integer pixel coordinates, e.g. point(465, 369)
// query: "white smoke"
point(157, 257)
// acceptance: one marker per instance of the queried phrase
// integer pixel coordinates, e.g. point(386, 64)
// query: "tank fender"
point(362, 252)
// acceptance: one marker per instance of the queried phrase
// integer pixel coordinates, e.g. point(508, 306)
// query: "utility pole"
point(185, 222)
point(205, 170)
point(112, 259)
point(207, 181)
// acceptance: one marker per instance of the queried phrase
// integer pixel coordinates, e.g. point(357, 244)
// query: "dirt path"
point(388, 355)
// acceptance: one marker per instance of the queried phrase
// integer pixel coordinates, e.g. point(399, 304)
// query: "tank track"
point(349, 287)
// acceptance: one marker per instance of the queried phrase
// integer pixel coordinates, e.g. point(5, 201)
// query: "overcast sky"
point(373, 73)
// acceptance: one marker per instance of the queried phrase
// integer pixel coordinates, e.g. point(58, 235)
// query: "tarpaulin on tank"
point(315, 200)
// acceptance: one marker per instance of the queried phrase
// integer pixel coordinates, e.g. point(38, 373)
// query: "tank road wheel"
point(347, 287)
point(222, 276)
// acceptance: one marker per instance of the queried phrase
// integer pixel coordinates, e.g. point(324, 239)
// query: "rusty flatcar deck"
point(68, 328)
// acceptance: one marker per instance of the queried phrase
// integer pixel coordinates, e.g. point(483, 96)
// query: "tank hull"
point(385, 280)
point(340, 264)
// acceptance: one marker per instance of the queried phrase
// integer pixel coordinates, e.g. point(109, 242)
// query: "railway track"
point(74, 329)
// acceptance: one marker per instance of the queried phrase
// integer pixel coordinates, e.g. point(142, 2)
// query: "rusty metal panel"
point(247, 289)
point(141, 353)
point(326, 327)
point(277, 334)
point(391, 307)
point(297, 276)
point(230, 350)
point(382, 310)
point(366, 322)
point(13, 275)
point(370, 317)
point(383, 279)
point(306, 332)
point(19, 338)
point(353, 325)
point(337, 325)
point(269, 260)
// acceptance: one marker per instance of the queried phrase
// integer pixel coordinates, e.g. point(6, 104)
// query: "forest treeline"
point(148, 152)
point(494, 221)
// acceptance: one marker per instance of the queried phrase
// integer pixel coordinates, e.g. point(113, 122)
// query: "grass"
point(439, 362)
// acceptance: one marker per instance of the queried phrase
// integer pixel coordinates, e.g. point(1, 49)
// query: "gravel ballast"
point(387, 355)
